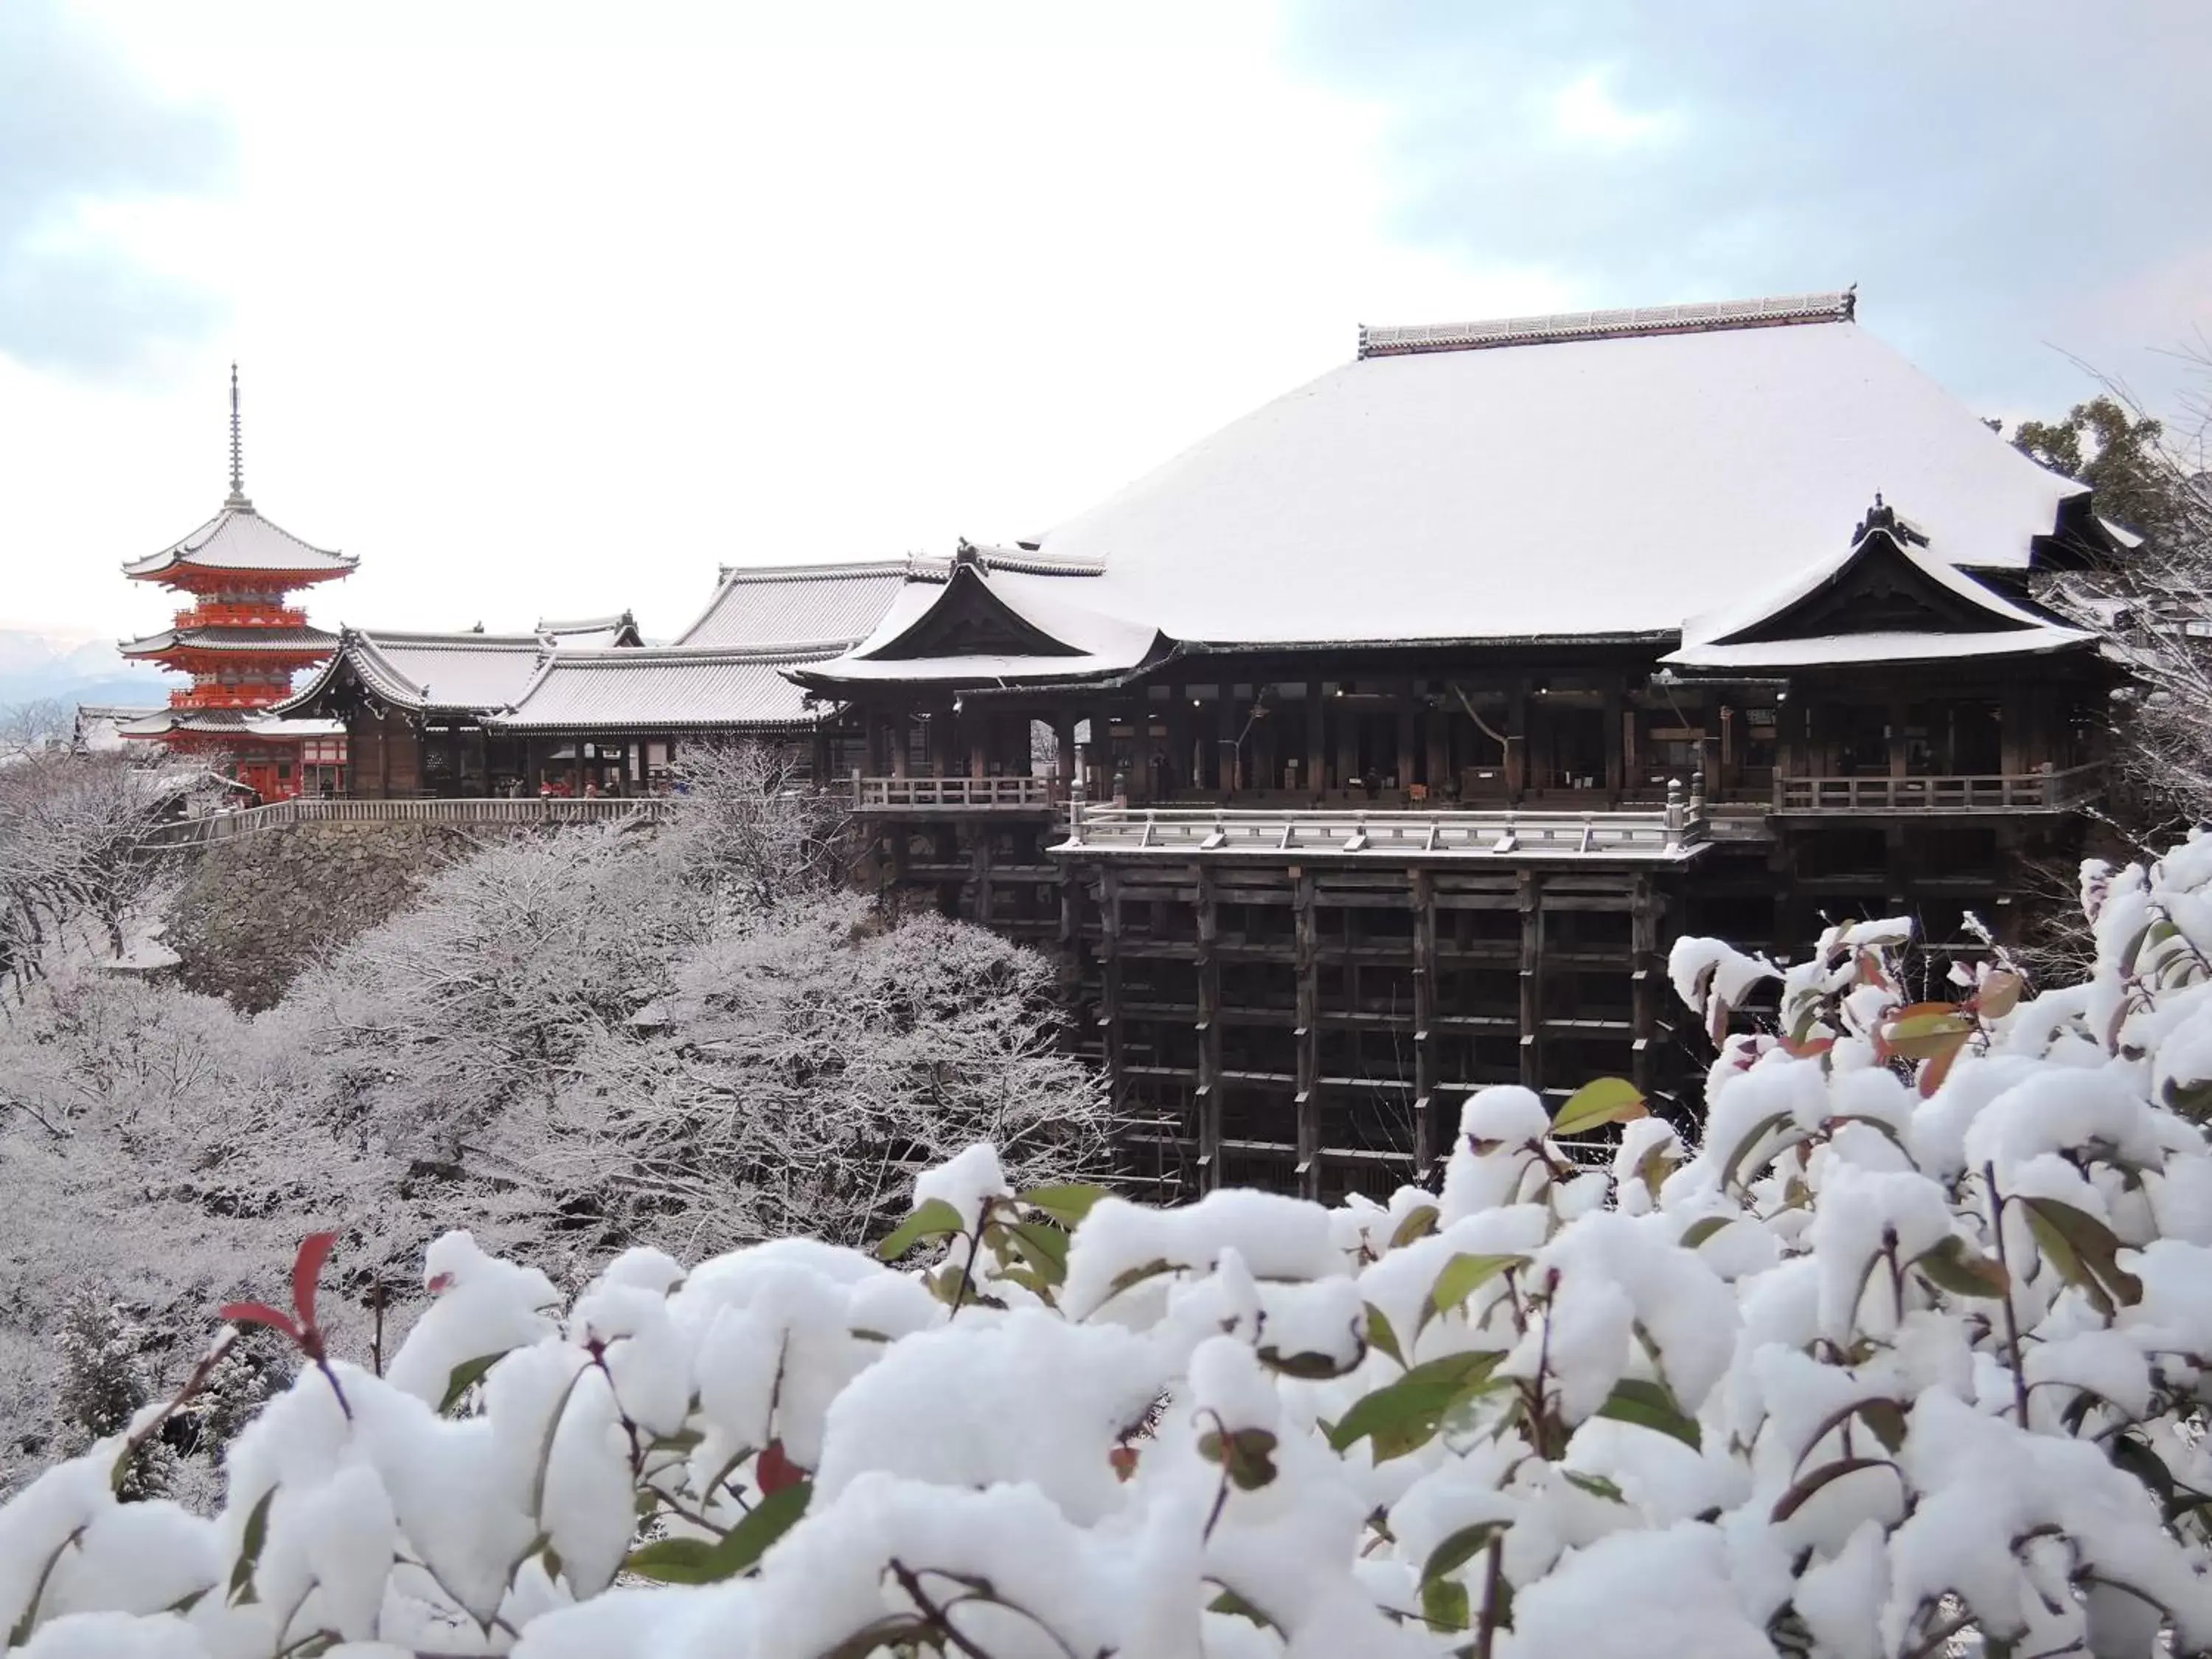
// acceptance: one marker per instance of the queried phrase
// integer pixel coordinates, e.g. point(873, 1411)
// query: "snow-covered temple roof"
point(593, 633)
point(462, 672)
point(978, 619)
point(663, 688)
point(1596, 475)
point(239, 540)
point(757, 607)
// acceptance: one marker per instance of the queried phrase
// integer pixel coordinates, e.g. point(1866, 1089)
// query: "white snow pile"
point(1911, 1350)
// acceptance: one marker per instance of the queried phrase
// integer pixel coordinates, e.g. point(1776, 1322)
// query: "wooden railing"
point(2025, 792)
point(958, 794)
point(222, 826)
point(1673, 832)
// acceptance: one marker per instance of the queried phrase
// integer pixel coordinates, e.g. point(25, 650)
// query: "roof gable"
point(1879, 588)
point(967, 619)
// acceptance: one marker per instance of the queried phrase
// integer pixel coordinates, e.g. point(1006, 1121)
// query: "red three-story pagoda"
point(242, 639)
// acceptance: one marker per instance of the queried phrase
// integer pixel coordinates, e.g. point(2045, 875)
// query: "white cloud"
point(1585, 111)
point(547, 309)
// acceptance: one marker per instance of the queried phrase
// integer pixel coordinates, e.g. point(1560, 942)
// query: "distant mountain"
point(34, 667)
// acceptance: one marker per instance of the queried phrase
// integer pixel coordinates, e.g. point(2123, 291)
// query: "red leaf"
point(1124, 1460)
point(776, 1471)
point(258, 1313)
point(314, 1250)
point(1806, 1049)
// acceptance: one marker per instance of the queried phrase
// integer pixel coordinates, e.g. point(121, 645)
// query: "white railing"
point(222, 826)
point(1671, 833)
point(894, 794)
point(2022, 792)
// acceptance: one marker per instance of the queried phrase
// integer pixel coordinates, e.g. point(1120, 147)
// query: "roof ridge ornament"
point(1884, 517)
point(1405, 340)
point(236, 500)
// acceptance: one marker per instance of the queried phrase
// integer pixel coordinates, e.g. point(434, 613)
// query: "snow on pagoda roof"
point(664, 688)
point(260, 724)
point(239, 538)
point(248, 639)
point(1603, 474)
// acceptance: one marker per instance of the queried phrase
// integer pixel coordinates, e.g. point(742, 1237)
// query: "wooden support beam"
point(1647, 982)
point(1531, 979)
point(1315, 777)
point(1109, 987)
point(1307, 1034)
point(1407, 738)
point(1430, 1135)
point(978, 864)
point(1209, 1031)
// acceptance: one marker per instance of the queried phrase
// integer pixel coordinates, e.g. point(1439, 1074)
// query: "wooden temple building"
point(1377, 748)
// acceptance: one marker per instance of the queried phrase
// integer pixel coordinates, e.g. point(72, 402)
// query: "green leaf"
point(1763, 1128)
point(1405, 1413)
point(1798, 1495)
point(1956, 1266)
point(1067, 1202)
point(1043, 1247)
point(1460, 1548)
point(1231, 1602)
point(1464, 1275)
point(1698, 1231)
point(465, 1377)
point(249, 1549)
point(710, 1561)
point(1380, 1335)
point(1598, 1102)
point(1130, 1276)
point(1420, 1221)
point(1884, 1417)
point(1648, 1405)
point(1444, 1604)
point(1310, 1365)
point(1249, 1454)
point(2085, 1251)
point(934, 1219)
point(1596, 1485)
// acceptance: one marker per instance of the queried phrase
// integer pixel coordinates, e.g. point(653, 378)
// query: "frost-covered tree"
point(2153, 605)
point(1908, 1353)
point(73, 853)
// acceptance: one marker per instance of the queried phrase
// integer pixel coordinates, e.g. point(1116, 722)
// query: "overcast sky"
point(550, 309)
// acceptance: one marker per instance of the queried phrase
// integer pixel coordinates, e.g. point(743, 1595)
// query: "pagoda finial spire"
point(237, 497)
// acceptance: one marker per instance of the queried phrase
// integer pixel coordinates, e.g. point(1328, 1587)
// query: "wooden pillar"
point(1307, 1035)
point(1631, 752)
point(1315, 777)
point(979, 869)
point(1896, 716)
point(975, 730)
point(1531, 896)
point(1517, 738)
point(1647, 982)
point(1616, 753)
point(1430, 1136)
point(1436, 724)
point(1408, 741)
point(1109, 987)
point(1347, 745)
point(2013, 733)
point(1209, 1031)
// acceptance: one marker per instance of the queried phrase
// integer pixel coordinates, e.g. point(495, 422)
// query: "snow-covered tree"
point(1910, 1351)
point(2153, 603)
point(73, 851)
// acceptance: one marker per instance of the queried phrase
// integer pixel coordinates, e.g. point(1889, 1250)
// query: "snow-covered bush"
point(573, 1041)
point(1913, 1347)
